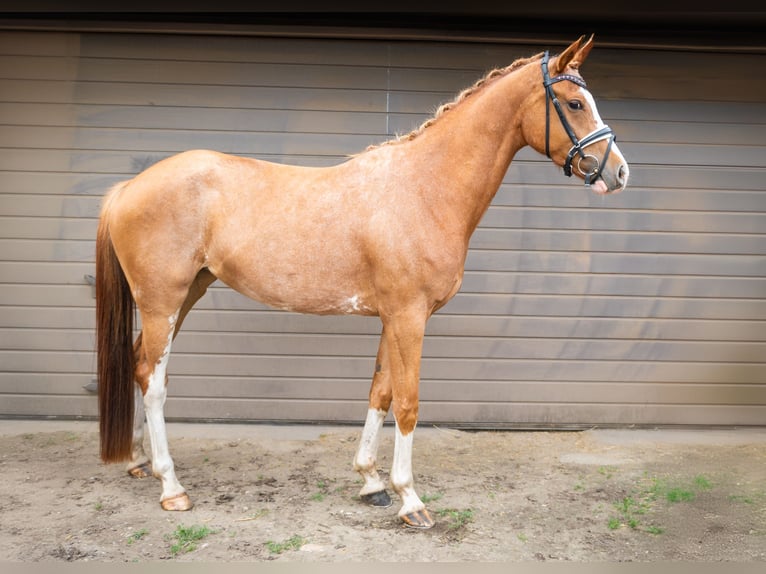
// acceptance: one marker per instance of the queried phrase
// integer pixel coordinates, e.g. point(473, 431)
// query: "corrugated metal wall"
point(643, 308)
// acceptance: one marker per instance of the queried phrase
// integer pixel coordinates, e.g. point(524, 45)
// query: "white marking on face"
point(594, 110)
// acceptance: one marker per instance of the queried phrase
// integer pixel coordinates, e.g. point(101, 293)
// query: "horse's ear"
point(582, 53)
point(567, 56)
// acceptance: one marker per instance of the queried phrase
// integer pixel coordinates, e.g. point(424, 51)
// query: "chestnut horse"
point(385, 233)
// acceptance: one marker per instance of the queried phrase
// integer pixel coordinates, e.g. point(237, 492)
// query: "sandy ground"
point(288, 493)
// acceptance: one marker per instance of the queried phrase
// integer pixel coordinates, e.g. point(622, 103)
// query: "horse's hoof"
point(420, 520)
point(379, 499)
point(178, 502)
point(143, 470)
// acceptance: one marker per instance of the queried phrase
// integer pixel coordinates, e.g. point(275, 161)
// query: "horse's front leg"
point(404, 336)
point(373, 491)
point(151, 372)
point(139, 465)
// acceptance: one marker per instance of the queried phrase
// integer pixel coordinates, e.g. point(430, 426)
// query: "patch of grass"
point(137, 535)
point(427, 497)
point(187, 537)
point(607, 471)
point(679, 494)
point(702, 482)
point(631, 509)
point(522, 537)
point(293, 543)
point(741, 498)
point(99, 506)
point(457, 518)
point(323, 487)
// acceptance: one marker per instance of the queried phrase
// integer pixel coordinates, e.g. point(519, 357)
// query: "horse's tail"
point(114, 344)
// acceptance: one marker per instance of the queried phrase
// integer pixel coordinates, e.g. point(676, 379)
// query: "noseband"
point(604, 133)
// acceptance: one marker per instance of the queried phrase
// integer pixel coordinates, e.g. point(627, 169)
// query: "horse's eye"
point(574, 105)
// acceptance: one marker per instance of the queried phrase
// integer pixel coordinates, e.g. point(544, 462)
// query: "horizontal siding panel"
point(443, 391)
point(496, 217)
point(84, 69)
point(324, 345)
point(544, 188)
point(526, 174)
point(80, 229)
point(210, 96)
point(625, 220)
point(638, 264)
point(191, 119)
point(454, 369)
point(624, 242)
point(73, 273)
point(566, 195)
point(440, 324)
point(303, 142)
point(172, 141)
point(478, 260)
point(485, 414)
point(519, 304)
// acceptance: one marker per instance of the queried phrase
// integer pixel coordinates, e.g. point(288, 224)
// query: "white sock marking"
point(367, 454)
point(401, 474)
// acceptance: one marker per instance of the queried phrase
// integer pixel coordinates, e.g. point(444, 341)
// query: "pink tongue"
point(599, 186)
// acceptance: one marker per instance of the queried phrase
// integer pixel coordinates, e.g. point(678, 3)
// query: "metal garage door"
point(643, 308)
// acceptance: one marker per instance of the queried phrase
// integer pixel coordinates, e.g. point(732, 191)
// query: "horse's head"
point(560, 119)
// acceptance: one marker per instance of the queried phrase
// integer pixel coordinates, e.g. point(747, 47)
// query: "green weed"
point(187, 537)
point(137, 535)
point(458, 518)
point(679, 494)
point(702, 482)
point(426, 498)
point(293, 543)
point(631, 509)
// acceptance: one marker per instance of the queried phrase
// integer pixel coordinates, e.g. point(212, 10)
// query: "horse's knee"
point(406, 415)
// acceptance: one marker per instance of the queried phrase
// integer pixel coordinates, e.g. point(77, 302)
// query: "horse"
point(384, 233)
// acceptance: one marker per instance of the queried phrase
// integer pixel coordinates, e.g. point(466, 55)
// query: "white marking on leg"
point(401, 474)
point(154, 402)
point(138, 456)
point(367, 454)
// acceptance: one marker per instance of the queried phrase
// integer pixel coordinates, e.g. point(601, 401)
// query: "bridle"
point(597, 135)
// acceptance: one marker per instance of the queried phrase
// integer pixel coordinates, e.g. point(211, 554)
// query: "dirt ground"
point(288, 493)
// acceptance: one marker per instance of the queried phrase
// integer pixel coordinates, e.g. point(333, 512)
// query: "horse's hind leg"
point(151, 373)
point(365, 462)
point(158, 331)
point(139, 465)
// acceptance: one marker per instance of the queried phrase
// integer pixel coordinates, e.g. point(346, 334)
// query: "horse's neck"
point(467, 151)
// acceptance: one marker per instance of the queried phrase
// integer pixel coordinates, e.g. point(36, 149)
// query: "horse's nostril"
point(622, 173)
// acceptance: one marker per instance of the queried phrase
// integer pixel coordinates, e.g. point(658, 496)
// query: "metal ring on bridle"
point(591, 172)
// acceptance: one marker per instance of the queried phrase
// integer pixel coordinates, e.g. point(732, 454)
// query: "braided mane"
point(444, 108)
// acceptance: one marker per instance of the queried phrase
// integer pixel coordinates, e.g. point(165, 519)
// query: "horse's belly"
point(302, 285)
